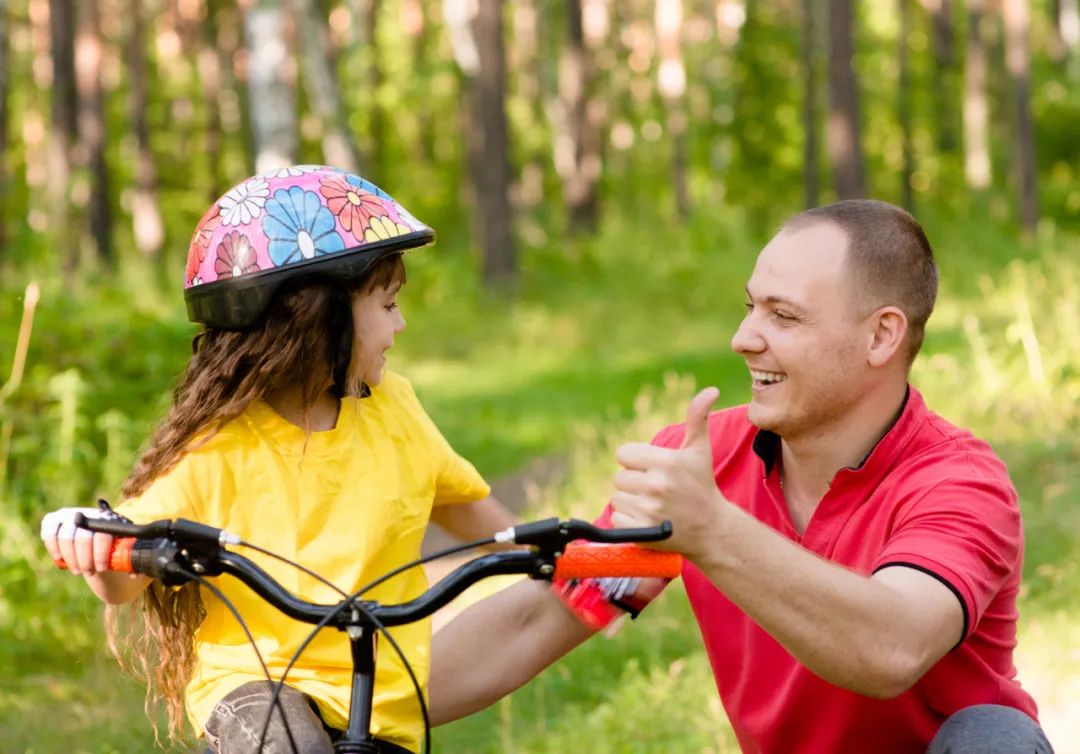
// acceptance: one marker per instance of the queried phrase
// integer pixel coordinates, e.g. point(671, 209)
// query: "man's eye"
point(749, 306)
point(784, 316)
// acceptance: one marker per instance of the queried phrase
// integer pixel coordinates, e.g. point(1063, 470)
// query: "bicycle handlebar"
point(170, 550)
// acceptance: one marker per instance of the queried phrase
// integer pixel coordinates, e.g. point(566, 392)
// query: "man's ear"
point(888, 336)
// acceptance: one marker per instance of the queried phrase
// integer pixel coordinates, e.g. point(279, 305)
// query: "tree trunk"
point(576, 146)
point(845, 150)
point(5, 183)
point(145, 214)
point(1068, 24)
point(419, 29)
point(366, 12)
point(904, 105)
point(811, 138)
point(976, 107)
point(1017, 20)
point(65, 130)
point(235, 111)
point(527, 63)
point(208, 61)
point(945, 86)
point(88, 62)
point(476, 33)
point(1065, 29)
point(271, 90)
point(672, 86)
point(321, 84)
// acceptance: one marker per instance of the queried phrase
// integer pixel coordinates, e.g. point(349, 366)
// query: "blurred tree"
point(366, 13)
point(945, 73)
point(811, 168)
point(1066, 29)
point(842, 134)
point(64, 133)
point(235, 110)
point(577, 137)
point(89, 56)
point(1017, 20)
point(321, 85)
point(209, 64)
point(271, 85)
point(903, 109)
point(671, 82)
point(4, 183)
point(476, 32)
point(416, 25)
point(976, 108)
point(146, 220)
point(524, 65)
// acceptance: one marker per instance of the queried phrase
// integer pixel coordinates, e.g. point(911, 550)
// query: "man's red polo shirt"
point(929, 496)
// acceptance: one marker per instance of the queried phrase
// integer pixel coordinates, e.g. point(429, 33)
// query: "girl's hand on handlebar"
point(74, 548)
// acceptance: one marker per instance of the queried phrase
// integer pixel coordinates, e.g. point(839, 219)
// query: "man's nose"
point(746, 338)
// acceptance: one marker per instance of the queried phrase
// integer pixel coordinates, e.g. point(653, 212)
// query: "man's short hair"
point(888, 257)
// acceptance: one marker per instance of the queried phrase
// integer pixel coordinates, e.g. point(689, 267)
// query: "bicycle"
point(178, 551)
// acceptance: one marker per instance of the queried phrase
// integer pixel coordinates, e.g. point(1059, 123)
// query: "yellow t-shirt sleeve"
point(456, 480)
point(172, 495)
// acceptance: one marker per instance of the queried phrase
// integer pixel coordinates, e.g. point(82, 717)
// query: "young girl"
point(288, 430)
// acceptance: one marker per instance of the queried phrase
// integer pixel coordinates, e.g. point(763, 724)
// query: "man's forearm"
point(856, 632)
point(496, 646)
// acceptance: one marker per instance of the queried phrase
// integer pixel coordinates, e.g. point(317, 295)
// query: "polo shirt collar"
point(884, 453)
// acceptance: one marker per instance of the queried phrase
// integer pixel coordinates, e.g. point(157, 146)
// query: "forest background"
point(601, 175)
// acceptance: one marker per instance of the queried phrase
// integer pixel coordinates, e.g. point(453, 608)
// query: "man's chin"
point(762, 419)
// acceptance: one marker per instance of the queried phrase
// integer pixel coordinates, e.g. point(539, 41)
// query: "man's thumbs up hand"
point(672, 483)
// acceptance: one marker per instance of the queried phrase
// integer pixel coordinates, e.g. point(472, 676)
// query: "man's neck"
point(810, 460)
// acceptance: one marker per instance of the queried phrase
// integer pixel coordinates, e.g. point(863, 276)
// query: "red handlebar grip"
point(119, 556)
point(582, 561)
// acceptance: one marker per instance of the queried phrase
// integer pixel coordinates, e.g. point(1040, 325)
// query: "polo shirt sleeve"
point(963, 530)
point(456, 479)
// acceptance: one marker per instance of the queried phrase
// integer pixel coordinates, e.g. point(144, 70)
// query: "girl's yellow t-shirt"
point(351, 504)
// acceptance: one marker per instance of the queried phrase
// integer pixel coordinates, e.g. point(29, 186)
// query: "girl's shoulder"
point(395, 391)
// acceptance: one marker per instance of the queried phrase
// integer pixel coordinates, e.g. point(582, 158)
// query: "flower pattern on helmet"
point(298, 227)
point(382, 228)
point(245, 202)
point(200, 242)
point(296, 170)
point(235, 256)
point(353, 204)
point(291, 215)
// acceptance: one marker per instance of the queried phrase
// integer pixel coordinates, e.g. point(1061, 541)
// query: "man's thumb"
point(697, 418)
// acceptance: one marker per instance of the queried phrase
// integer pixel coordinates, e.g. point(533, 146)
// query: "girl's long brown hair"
point(297, 343)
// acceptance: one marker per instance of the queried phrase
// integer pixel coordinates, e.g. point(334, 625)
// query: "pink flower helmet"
point(297, 221)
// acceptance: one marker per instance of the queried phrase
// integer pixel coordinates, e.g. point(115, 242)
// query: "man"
point(853, 560)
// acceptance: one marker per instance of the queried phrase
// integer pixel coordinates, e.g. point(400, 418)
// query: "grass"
point(592, 353)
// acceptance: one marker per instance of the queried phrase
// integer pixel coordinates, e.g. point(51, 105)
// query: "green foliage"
point(588, 355)
point(602, 340)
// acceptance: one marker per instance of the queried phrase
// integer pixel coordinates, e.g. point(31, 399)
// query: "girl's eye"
point(391, 306)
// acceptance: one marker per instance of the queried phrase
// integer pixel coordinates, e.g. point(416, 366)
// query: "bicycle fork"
point(358, 739)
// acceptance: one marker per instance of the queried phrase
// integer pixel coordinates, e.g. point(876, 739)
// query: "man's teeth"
point(767, 377)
